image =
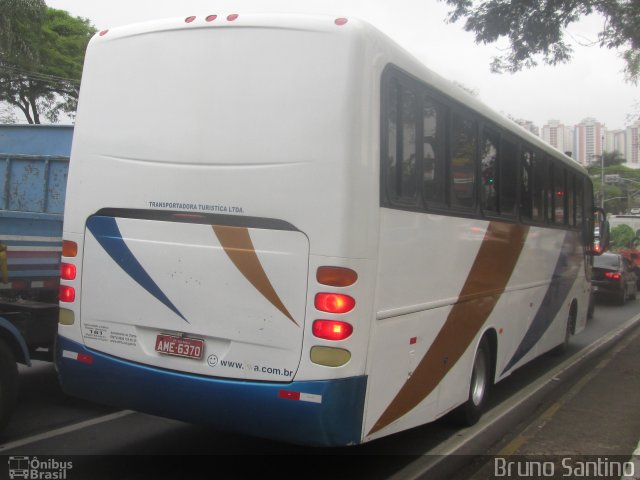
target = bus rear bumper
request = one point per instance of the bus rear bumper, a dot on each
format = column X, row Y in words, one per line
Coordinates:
column 320, row 413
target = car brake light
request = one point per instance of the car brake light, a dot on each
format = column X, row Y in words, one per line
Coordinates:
column 332, row 329
column 613, row 275
column 334, row 302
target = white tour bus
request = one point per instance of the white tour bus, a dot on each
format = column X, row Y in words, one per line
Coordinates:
column 288, row 227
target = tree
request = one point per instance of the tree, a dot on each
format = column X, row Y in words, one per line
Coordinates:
column 622, row 236
column 47, row 81
column 17, row 17
column 536, row 29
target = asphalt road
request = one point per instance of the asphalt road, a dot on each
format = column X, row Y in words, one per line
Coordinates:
column 47, row 423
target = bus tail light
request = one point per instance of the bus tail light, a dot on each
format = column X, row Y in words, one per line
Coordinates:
column 67, row 293
column 334, row 302
column 69, row 248
column 336, row 276
column 67, row 271
column 332, row 329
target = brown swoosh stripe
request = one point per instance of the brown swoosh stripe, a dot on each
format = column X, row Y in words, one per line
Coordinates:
column 485, row 283
column 239, row 248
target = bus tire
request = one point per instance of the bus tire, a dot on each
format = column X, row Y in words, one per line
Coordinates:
column 470, row 412
column 8, row 383
column 568, row 332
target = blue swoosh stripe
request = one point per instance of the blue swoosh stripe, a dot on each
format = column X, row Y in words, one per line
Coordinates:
column 564, row 275
column 106, row 231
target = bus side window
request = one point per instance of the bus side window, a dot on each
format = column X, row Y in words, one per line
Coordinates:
column 560, row 194
column 433, row 123
column 463, row 165
column 571, row 210
column 489, row 170
column 538, row 187
column 579, row 202
column 508, row 183
column 551, row 209
column 526, row 184
column 401, row 165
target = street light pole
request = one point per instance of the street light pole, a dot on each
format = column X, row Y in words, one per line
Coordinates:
column 602, row 181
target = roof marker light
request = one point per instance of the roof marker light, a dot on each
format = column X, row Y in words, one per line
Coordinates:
column 232, row 17
column 211, row 18
column 189, row 19
column 341, row 21
column 104, row 32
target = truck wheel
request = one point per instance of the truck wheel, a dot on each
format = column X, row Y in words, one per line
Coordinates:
column 469, row 412
column 8, row 383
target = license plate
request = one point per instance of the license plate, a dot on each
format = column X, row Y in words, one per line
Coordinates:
column 180, row 346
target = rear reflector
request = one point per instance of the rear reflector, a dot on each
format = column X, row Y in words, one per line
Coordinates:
column 334, row 302
column 300, row 396
column 336, row 276
column 81, row 357
column 332, row 329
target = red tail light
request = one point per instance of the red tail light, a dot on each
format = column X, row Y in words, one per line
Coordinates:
column 67, row 271
column 332, row 329
column 613, row 275
column 334, row 302
column 67, row 293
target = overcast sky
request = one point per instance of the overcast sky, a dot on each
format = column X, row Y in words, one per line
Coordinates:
column 591, row 85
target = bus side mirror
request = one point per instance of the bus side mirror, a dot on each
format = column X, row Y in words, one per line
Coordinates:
column 600, row 232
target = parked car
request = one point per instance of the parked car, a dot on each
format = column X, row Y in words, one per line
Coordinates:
column 613, row 277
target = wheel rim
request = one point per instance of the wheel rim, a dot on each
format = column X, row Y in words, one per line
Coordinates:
column 479, row 380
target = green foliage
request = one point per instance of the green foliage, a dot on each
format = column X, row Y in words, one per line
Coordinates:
column 17, row 19
column 47, row 81
column 537, row 29
column 619, row 197
column 622, row 236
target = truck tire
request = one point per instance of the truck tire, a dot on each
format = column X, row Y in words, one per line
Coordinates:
column 8, row 383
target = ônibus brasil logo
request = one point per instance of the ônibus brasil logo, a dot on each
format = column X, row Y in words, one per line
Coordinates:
column 33, row 468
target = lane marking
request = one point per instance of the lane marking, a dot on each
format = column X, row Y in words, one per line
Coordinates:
column 64, row 430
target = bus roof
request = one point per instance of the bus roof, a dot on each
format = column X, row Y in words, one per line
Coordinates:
column 326, row 23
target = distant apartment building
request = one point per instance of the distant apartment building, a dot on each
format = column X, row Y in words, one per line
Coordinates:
column 615, row 141
column 588, row 141
column 558, row 136
column 632, row 151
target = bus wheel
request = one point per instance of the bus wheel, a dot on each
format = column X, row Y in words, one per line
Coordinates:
column 470, row 412
column 8, row 383
column 568, row 331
